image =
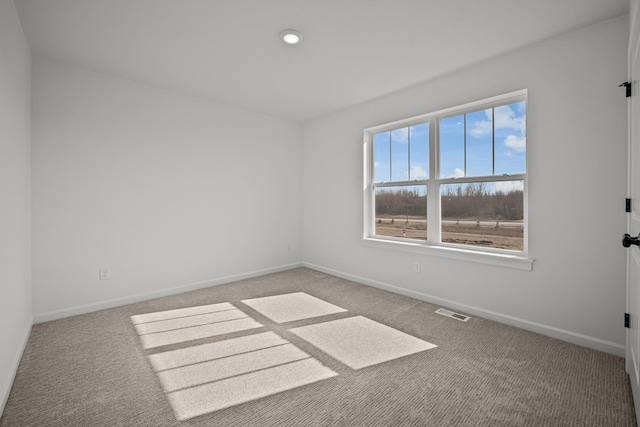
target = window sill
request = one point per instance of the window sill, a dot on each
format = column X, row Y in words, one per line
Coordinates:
column 520, row 262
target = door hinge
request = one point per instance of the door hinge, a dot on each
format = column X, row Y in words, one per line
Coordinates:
column 627, row 205
column 626, row 320
column 627, row 86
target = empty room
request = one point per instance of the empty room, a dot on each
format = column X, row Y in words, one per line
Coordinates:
column 319, row 213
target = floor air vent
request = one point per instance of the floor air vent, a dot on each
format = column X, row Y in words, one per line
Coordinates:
column 453, row 315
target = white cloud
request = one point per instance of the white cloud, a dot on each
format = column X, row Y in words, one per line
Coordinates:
column 418, row 173
column 516, row 143
column 400, row 135
column 481, row 129
column 504, row 118
column 508, row 186
column 457, row 173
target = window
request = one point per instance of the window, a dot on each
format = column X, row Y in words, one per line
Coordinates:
column 455, row 178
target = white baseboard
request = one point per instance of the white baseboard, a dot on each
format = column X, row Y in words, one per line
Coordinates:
column 550, row 331
column 633, row 376
column 88, row 308
column 636, row 400
column 631, row 365
column 6, row 388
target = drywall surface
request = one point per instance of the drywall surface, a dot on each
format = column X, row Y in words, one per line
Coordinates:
column 576, row 140
column 162, row 191
column 15, row 195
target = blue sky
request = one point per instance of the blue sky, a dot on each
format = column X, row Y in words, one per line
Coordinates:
column 509, row 122
column 408, row 158
column 403, row 154
column 409, row 155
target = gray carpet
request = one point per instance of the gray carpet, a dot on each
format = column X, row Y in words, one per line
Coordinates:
column 92, row 370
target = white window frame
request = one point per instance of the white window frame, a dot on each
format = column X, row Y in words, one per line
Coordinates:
column 433, row 245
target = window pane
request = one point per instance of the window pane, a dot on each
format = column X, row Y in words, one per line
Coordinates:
column 400, row 154
column 510, row 138
column 419, row 151
column 381, row 157
column 452, row 147
column 488, row 214
column 480, row 143
column 401, row 211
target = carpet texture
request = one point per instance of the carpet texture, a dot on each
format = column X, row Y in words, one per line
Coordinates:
column 105, row 369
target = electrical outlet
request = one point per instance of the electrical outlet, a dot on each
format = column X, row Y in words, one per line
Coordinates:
column 416, row 267
column 105, row 274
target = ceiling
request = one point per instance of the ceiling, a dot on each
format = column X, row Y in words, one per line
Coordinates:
column 353, row 50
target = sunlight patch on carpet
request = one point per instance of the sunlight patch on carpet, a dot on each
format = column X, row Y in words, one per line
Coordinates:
column 191, row 327
column 219, row 369
column 290, row 307
column 180, row 312
column 197, row 332
column 204, row 378
column 213, row 351
column 359, row 342
column 186, row 322
column 214, row 396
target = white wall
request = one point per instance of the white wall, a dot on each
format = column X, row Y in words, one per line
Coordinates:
column 165, row 190
column 15, row 195
column 577, row 180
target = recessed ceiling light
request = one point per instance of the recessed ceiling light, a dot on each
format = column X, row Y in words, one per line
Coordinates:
column 291, row 36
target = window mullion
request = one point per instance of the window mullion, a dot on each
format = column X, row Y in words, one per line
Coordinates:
column 433, row 191
column 489, row 178
column 465, row 144
column 390, row 159
column 409, row 153
column 368, row 227
column 493, row 141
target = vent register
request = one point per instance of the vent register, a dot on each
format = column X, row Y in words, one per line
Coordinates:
column 452, row 314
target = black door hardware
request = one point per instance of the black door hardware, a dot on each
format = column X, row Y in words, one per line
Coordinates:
column 628, row 240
